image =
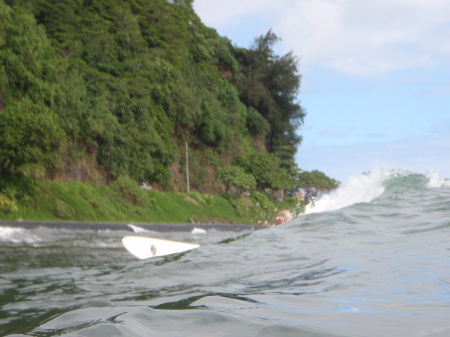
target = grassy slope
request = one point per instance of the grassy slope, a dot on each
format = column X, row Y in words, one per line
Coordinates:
column 78, row 201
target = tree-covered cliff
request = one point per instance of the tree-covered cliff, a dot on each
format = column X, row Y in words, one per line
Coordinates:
column 94, row 89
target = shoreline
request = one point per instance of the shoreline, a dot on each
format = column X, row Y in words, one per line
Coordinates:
column 126, row 226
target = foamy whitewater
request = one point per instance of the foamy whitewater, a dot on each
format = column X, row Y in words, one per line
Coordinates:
column 370, row 259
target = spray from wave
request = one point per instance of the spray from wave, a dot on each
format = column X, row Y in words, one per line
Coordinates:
column 363, row 188
column 367, row 187
column 138, row 229
column 17, row 235
column 435, row 180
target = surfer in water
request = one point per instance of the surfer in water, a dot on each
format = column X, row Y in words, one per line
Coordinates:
column 283, row 217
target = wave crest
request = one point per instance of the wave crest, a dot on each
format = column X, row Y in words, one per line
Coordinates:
column 369, row 186
column 435, row 180
column 363, row 188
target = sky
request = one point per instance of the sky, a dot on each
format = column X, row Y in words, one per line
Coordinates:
column 375, row 77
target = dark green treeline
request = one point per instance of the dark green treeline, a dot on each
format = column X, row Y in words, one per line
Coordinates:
column 94, row 89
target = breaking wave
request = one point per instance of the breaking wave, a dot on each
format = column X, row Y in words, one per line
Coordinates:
column 370, row 186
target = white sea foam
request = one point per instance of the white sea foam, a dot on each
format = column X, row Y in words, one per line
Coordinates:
column 196, row 230
column 364, row 188
column 10, row 233
column 17, row 235
column 137, row 229
column 435, row 180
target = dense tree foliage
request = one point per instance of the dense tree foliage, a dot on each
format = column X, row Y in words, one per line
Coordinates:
column 122, row 86
column 266, row 170
column 29, row 128
column 317, row 180
column 236, row 176
column 28, row 134
column 270, row 85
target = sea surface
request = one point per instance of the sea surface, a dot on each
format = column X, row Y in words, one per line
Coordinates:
column 371, row 259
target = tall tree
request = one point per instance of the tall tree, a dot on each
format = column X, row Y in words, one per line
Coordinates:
column 270, row 85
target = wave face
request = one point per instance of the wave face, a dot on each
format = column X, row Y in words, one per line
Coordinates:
column 368, row 187
column 371, row 259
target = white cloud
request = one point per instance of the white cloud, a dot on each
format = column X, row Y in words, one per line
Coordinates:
column 227, row 14
column 369, row 37
column 350, row 36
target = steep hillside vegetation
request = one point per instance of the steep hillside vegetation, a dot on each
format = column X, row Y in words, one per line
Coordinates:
column 92, row 90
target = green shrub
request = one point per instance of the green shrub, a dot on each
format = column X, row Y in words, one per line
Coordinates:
column 242, row 208
column 207, row 199
column 256, row 123
column 128, row 189
column 266, row 170
column 6, row 204
column 316, row 179
column 62, row 210
column 29, row 134
column 236, row 176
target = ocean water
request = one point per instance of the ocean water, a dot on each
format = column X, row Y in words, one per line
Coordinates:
column 371, row 259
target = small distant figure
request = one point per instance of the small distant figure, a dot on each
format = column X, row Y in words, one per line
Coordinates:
column 144, row 186
column 301, row 197
column 283, row 216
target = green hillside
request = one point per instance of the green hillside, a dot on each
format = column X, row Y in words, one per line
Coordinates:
column 94, row 90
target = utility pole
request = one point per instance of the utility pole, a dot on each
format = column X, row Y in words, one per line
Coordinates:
column 187, row 167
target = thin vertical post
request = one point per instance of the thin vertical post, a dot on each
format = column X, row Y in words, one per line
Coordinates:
column 187, row 167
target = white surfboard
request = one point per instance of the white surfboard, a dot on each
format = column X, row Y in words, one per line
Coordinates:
column 145, row 247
